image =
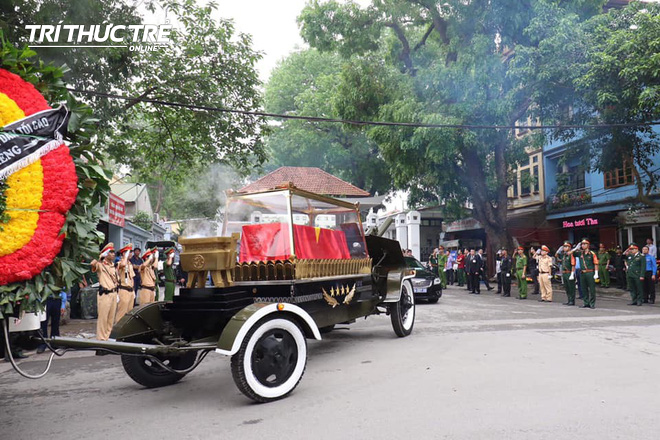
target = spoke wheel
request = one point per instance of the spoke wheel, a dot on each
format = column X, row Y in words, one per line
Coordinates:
column 402, row 312
column 271, row 360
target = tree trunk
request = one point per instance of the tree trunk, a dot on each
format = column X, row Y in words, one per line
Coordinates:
column 160, row 186
column 491, row 216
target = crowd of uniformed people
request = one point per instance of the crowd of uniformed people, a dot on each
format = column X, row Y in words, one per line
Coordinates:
column 577, row 267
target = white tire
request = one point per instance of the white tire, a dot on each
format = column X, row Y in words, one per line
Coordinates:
column 271, row 360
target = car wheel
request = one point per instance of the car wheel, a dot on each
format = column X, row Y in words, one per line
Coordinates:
column 402, row 312
column 271, row 360
column 151, row 375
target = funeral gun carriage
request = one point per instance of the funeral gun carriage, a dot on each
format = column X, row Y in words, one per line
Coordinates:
column 289, row 267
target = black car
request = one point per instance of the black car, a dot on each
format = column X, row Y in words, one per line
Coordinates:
column 426, row 284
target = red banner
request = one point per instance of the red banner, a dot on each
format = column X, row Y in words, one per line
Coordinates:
column 271, row 242
column 116, row 210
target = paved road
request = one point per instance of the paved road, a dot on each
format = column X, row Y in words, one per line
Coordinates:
column 476, row 367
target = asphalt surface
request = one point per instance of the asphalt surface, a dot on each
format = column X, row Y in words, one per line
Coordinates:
column 475, row 367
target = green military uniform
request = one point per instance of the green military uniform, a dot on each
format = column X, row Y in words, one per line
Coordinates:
column 168, row 271
column 568, row 267
column 521, row 264
column 603, row 273
column 636, row 269
column 588, row 265
column 433, row 261
column 442, row 262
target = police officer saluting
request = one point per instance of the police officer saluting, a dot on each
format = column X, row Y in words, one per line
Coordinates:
column 588, row 274
column 148, row 275
column 568, row 273
column 545, row 274
column 636, row 265
column 107, row 296
column 168, row 271
column 126, row 276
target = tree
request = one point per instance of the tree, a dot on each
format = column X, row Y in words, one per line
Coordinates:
column 444, row 63
column 100, row 69
column 143, row 220
column 610, row 73
column 206, row 64
column 304, row 84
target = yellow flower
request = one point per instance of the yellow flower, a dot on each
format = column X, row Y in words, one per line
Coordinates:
column 9, row 111
column 24, row 192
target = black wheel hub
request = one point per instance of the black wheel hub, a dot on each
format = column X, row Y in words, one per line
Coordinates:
column 406, row 303
column 274, row 357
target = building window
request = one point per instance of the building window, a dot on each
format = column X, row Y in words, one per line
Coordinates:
column 575, row 177
column 620, row 176
column 431, row 222
column 535, row 173
column 525, row 187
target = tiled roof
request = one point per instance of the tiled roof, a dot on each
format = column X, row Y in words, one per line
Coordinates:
column 308, row 179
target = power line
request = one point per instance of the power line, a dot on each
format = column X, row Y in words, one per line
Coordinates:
column 355, row 122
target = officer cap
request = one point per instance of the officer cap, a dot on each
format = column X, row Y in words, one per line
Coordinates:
column 568, row 243
column 128, row 247
column 634, row 245
column 520, row 248
column 169, row 250
column 545, row 248
column 147, row 254
column 108, row 247
column 585, row 240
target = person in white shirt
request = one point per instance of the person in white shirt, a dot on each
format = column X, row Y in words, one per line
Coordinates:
column 652, row 249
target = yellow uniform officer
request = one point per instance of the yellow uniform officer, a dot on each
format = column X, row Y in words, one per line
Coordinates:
column 148, row 275
column 107, row 296
column 126, row 275
column 545, row 274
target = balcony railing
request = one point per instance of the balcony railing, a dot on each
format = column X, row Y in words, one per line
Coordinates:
column 569, row 199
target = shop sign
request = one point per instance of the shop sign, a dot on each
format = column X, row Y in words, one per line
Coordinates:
column 639, row 217
column 116, row 210
column 466, row 224
column 578, row 223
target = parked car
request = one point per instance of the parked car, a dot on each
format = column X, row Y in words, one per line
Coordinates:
column 426, row 284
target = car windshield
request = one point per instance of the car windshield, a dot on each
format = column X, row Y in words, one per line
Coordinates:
column 413, row 263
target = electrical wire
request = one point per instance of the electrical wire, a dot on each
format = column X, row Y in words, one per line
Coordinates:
column 354, row 122
column 10, row 356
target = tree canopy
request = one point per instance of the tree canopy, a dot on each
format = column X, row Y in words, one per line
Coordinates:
column 304, row 84
column 450, row 62
column 103, row 69
column 206, row 63
column 609, row 71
